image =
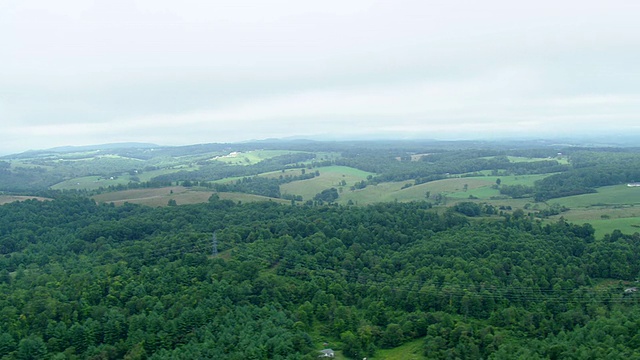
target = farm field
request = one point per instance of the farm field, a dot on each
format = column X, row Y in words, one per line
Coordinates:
column 5, row 199
column 270, row 175
column 383, row 192
column 606, row 196
column 611, row 208
column 605, row 220
column 330, row 176
column 561, row 160
column 182, row 195
column 527, row 180
column 486, row 190
column 148, row 175
column 91, row 183
column 287, row 172
column 251, row 157
column 96, row 182
column 607, row 226
column 241, row 197
column 452, row 188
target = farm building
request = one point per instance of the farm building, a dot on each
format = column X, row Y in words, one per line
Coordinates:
column 634, row 184
column 327, row 353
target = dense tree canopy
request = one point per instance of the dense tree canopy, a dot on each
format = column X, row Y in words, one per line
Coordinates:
column 79, row 280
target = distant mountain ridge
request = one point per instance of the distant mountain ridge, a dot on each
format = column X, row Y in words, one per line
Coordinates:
column 109, row 146
column 603, row 142
column 72, row 149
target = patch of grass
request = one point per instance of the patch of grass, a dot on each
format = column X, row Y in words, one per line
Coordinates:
column 611, row 208
column 118, row 197
column 96, row 182
column 249, row 198
column 5, row 199
column 148, row 175
column 383, row 192
column 527, row 180
column 91, row 183
column 182, row 196
column 606, row 196
column 325, row 155
column 412, row 350
column 517, row 159
column 452, row 188
column 605, row 219
column 252, row 157
column 330, row 176
column 475, row 186
column 625, row 225
column 287, row 172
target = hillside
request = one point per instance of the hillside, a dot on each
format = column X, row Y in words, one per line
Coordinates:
column 545, row 182
column 80, row 280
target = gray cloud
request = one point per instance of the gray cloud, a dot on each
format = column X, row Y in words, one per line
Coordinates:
column 81, row 72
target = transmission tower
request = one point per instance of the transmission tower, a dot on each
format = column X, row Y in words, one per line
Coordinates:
column 214, row 245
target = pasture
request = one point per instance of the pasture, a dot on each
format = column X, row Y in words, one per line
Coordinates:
column 606, row 196
column 604, row 220
column 251, row 157
column 5, row 199
column 383, row 192
column 614, row 207
column 182, row 196
column 481, row 188
column 96, row 182
column 287, row 172
column 515, row 159
column 91, row 183
column 330, row 176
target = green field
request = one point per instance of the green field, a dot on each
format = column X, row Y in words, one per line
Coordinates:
column 5, row 199
column 607, row 226
column 96, row 182
column 611, row 208
column 412, row 350
column 527, row 180
column 91, row 183
column 515, row 159
column 289, row 172
column 241, row 197
column 383, row 192
column 182, row 196
column 148, row 175
column 606, row 196
column 330, row 176
column 252, row 157
column 453, row 188
column 605, row 220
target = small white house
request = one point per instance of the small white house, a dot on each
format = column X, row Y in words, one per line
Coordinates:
column 327, row 353
column 635, row 184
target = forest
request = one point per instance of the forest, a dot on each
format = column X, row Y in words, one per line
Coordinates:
column 85, row 281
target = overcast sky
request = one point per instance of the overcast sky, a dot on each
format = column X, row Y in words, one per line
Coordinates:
column 182, row 72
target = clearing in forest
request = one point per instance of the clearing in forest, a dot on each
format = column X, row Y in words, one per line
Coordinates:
column 182, row 196
column 330, row 176
column 5, row 199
